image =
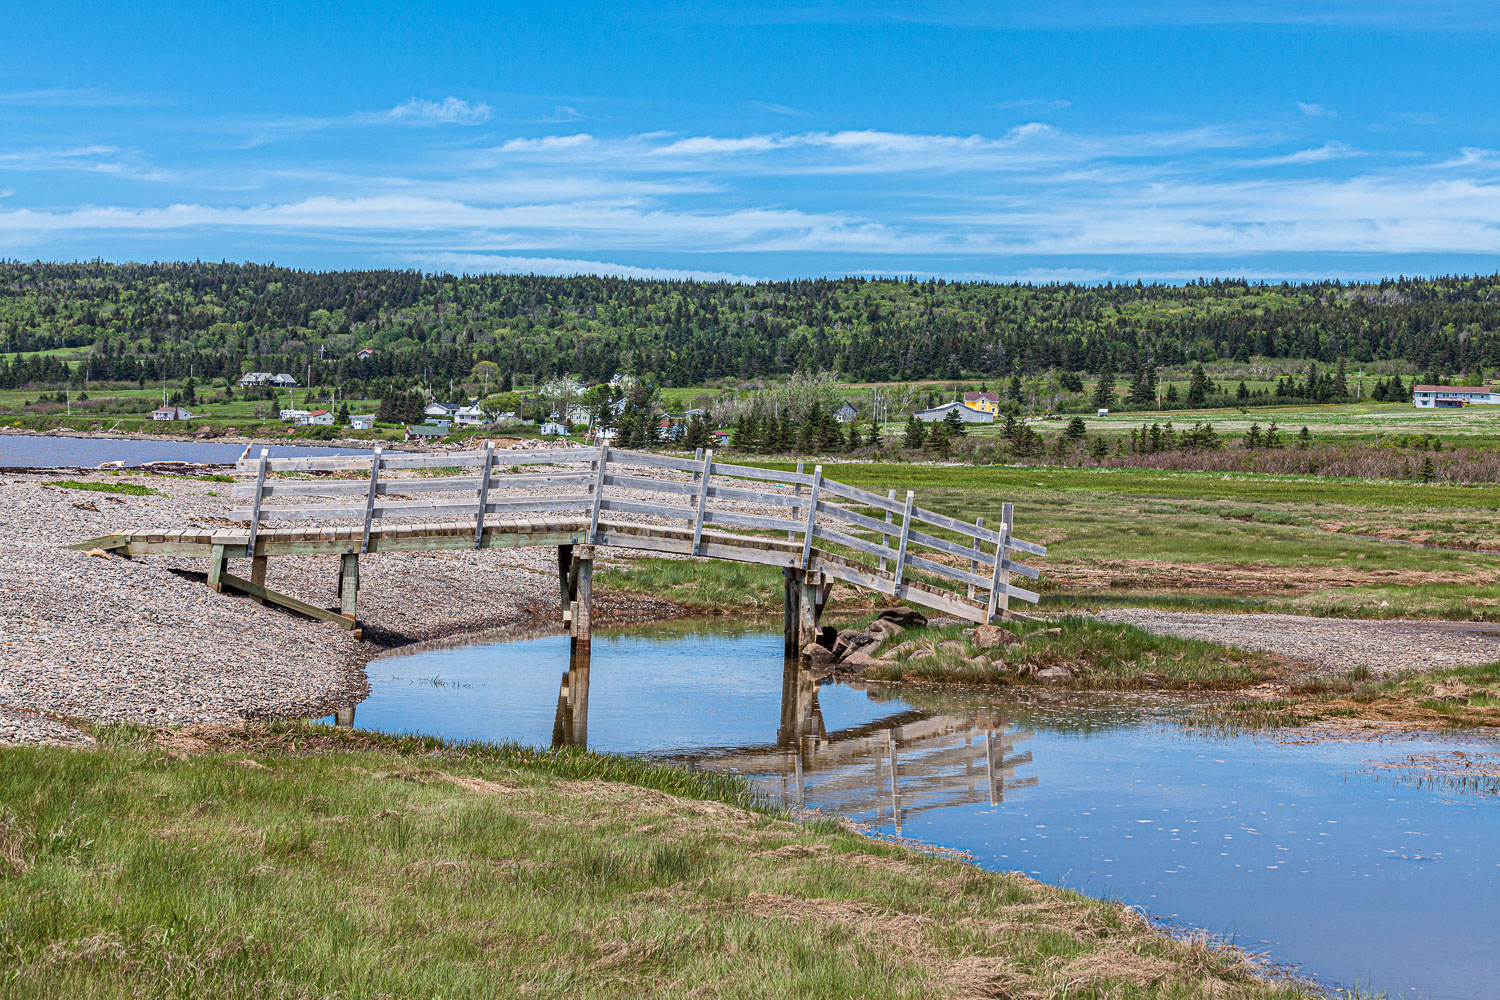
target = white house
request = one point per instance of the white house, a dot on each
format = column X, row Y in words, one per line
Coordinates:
column 580, row 415
column 470, row 416
column 436, row 409
column 255, row 378
column 554, row 426
column 170, row 413
column 1445, row 397
column 316, row 418
column 967, row 414
column 295, row 415
column 362, row 421
column 282, row 381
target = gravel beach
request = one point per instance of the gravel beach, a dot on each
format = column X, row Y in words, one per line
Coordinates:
column 117, row 640
column 1331, row 646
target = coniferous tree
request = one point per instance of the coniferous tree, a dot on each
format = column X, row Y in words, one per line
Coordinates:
column 1198, row 387
column 955, row 425
column 1076, row 429
column 916, row 432
column 854, row 438
column 1104, row 390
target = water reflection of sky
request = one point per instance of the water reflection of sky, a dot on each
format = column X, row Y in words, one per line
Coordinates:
column 1297, row 850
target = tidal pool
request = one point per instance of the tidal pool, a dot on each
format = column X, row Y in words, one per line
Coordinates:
column 1331, row 857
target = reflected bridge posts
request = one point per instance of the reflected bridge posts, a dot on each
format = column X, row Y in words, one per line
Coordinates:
column 570, row 726
column 907, row 762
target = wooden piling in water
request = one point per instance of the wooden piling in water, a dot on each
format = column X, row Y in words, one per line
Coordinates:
column 582, row 579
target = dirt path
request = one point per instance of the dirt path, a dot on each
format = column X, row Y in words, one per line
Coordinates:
column 1331, row 645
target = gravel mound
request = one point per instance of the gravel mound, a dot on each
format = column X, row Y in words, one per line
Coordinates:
column 1331, row 645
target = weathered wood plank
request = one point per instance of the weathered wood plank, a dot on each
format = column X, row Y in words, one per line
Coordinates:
column 244, row 586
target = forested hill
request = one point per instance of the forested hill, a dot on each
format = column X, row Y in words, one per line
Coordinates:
column 152, row 320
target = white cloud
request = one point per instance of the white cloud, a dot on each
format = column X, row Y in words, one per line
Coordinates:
column 448, row 111
column 473, row 263
column 1314, row 110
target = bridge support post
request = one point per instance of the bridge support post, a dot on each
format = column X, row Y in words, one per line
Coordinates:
column 792, row 583
column 348, row 583
column 217, row 564
column 808, row 608
column 581, row 578
column 564, row 569
column 258, row 573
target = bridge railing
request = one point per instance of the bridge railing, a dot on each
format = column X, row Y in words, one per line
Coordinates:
column 898, row 548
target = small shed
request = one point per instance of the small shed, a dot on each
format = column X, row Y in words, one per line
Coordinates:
column 362, row 421
column 845, row 413
column 170, row 413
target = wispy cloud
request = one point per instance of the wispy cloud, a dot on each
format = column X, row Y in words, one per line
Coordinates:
column 448, row 111
column 76, row 97
column 1312, row 110
column 1034, row 104
column 474, row 263
column 1318, row 154
column 777, row 109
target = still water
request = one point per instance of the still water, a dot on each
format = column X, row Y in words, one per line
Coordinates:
column 1328, row 856
column 31, row 450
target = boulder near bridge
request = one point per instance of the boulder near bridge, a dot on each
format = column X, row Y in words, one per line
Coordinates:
column 815, row 529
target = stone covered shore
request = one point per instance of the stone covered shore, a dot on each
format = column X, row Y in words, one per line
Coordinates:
column 114, row 640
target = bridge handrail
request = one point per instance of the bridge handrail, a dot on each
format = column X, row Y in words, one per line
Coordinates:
column 988, row 571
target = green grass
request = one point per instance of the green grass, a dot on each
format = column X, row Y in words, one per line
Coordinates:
column 128, row 489
column 1105, row 657
column 299, row 862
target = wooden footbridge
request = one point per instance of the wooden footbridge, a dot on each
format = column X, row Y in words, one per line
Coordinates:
column 813, row 528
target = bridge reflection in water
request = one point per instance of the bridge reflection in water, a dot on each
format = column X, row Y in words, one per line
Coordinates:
column 905, row 763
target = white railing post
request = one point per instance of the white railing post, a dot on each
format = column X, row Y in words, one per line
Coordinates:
column 255, row 505
column 812, row 515
column 484, row 492
column 598, row 492
column 974, row 563
column 260, row 488
column 796, row 492
column 1000, row 582
column 708, row 462
column 364, row 542
column 885, row 537
column 911, row 499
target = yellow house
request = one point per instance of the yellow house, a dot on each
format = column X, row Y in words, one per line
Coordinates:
column 989, row 402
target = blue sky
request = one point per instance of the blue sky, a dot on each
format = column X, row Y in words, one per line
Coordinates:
column 1085, row 141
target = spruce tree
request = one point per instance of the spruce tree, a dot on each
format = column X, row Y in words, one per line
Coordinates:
column 1198, row 387
column 1104, row 390
column 854, row 438
column 955, row 424
column 916, row 432
column 1076, row 429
